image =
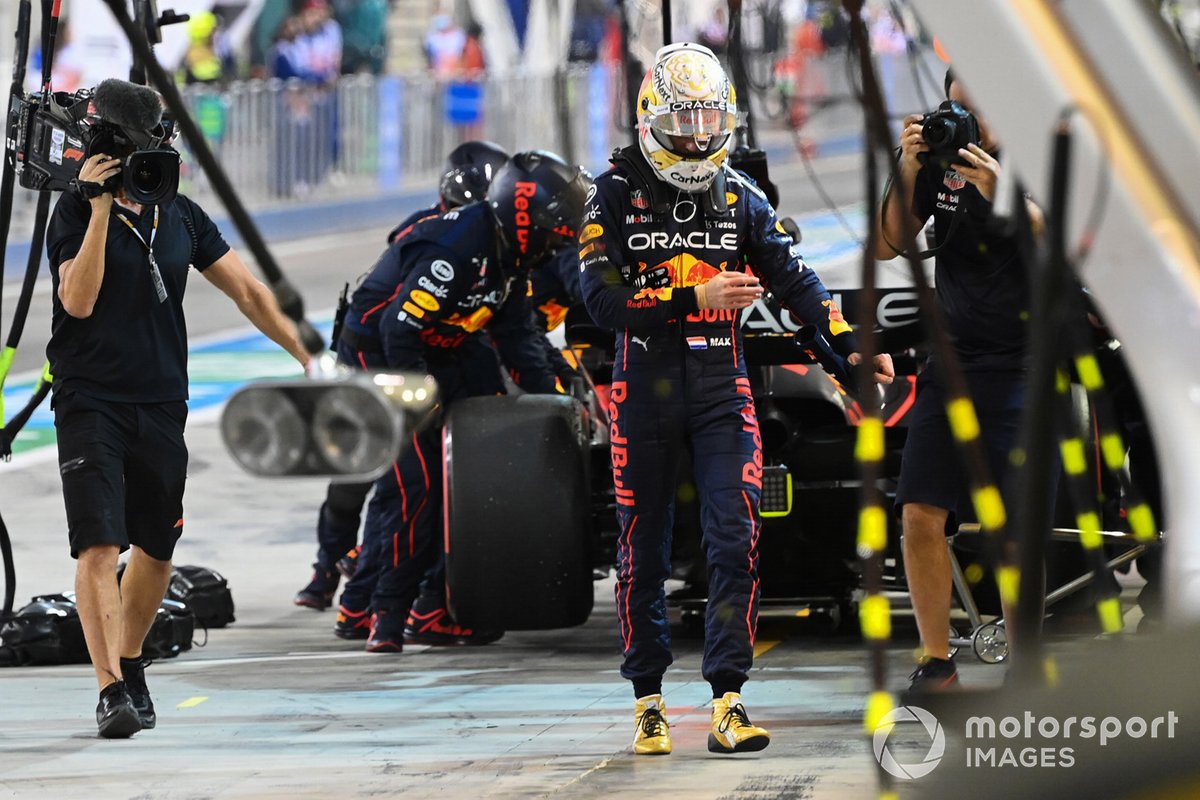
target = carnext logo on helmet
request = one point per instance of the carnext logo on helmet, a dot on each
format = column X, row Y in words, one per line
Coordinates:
column 523, row 191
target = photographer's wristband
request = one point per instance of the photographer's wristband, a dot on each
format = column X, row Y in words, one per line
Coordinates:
column 88, row 190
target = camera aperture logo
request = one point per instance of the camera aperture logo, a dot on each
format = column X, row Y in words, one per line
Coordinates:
column 884, row 755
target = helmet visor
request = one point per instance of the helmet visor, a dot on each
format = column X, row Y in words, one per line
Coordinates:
column 695, row 122
column 693, row 132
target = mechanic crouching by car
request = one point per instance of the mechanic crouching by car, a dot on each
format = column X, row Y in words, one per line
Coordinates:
column 983, row 287
column 446, row 299
column 468, row 171
column 664, row 237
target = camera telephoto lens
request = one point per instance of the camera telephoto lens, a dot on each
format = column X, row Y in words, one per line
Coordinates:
column 151, row 177
column 147, row 177
column 938, row 133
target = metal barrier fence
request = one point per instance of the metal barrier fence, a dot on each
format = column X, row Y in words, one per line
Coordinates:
column 288, row 143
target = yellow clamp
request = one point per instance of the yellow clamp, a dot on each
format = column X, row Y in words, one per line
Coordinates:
column 869, row 447
column 872, row 530
column 989, row 508
column 875, row 617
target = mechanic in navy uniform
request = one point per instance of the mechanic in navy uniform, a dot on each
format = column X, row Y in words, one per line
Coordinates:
column 469, row 169
column 982, row 284
column 118, row 353
column 466, row 176
column 451, row 299
column 664, row 239
column 554, row 290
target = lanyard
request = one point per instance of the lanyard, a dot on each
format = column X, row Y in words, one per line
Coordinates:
column 160, row 288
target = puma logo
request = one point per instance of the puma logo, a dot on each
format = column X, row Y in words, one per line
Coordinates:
column 645, row 343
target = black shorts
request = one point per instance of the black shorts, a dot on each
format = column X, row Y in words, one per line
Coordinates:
column 932, row 471
column 123, row 468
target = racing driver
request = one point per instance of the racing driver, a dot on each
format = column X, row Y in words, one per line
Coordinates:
column 666, row 233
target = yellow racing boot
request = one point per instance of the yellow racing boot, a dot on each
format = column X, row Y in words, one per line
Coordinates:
column 732, row 731
column 652, row 737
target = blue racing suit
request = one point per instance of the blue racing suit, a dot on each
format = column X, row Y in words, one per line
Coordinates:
column 443, row 299
column 406, row 225
column 340, row 515
column 680, row 380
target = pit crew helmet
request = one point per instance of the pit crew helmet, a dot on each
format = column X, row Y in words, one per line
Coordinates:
column 469, row 171
column 687, row 113
column 538, row 199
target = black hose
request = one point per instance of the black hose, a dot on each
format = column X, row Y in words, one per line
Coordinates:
column 631, row 76
column 32, row 266
column 1033, row 516
column 9, row 173
column 10, row 572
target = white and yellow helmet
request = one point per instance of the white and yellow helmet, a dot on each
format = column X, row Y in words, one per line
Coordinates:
column 687, row 113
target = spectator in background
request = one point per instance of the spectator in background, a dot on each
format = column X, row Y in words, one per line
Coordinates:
column 473, row 62
column 588, row 29
column 321, row 42
column 714, row 34
column 444, row 46
column 286, row 59
column 202, row 63
column 364, row 39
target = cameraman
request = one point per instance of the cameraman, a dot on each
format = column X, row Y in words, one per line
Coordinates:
column 982, row 284
column 118, row 353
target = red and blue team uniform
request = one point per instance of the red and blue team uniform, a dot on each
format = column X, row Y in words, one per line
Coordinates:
column 680, row 381
column 444, row 299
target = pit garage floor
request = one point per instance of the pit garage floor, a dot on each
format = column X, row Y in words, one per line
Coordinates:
column 275, row 707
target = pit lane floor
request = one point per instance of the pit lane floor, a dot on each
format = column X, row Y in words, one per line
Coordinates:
column 275, row 706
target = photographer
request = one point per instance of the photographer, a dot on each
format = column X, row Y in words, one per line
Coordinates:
column 118, row 353
column 982, row 285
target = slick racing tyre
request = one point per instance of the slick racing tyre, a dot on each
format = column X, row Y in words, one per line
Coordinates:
column 518, row 513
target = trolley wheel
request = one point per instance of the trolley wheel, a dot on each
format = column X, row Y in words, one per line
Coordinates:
column 990, row 643
column 954, row 635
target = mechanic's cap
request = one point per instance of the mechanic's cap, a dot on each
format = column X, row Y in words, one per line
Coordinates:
column 469, row 171
column 539, row 198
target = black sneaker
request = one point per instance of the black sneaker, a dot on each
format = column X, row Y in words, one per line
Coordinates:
column 348, row 564
column 933, row 675
column 320, row 590
column 133, row 670
column 352, row 624
column 116, row 717
column 387, row 633
column 429, row 622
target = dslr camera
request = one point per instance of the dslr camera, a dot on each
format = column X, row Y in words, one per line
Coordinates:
column 947, row 130
column 51, row 135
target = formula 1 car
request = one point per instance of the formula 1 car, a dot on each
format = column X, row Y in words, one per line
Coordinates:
column 530, row 503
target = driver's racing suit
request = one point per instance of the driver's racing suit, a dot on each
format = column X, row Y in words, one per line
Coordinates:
column 679, row 379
